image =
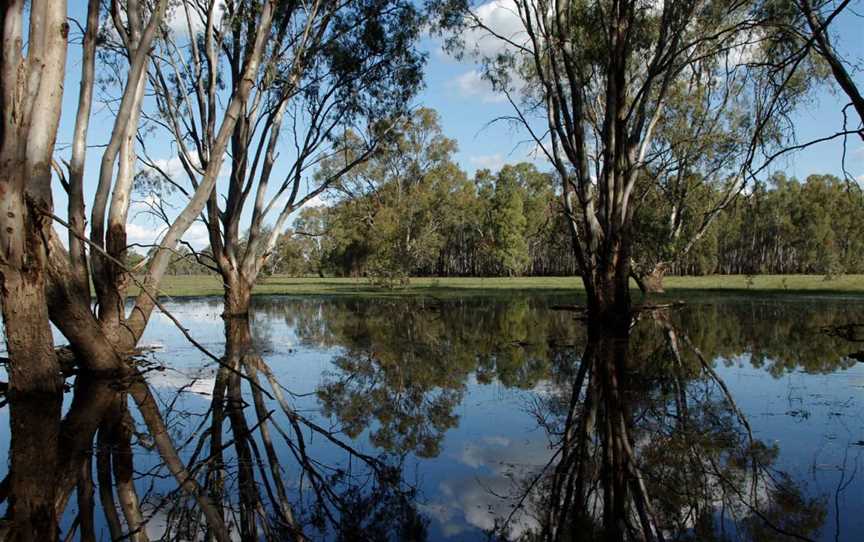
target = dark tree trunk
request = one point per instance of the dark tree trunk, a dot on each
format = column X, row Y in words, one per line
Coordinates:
column 34, row 421
column 597, row 451
column 238, row 345
column 608, row 287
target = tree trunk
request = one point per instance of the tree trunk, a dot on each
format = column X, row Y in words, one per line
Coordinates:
column 608, row 287
column 33, row 365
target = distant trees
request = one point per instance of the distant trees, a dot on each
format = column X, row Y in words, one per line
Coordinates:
column 410, row 209
column 790, row 227
column 509, row 223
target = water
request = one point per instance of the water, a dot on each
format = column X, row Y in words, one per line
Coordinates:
column 450, row 419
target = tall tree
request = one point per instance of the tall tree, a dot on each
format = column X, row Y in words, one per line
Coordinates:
column 601, row 74
column 334, row 76
column 508, row 223
column 397, row 202
column 32, row 67
column 102, row 336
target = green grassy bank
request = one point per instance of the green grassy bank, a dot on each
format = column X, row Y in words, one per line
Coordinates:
column 186, row 286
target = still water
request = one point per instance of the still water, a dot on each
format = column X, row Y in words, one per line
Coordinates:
column 465, row 419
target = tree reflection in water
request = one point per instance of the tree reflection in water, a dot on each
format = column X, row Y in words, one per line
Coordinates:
column 646, row 441
column 648, row 444
column 216, row 494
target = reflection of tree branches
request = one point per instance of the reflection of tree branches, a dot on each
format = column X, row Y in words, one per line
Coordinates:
column 638, row 456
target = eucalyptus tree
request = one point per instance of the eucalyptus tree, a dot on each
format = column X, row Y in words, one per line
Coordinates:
column 102, row 336
column 391, row 212
column 335, row 77
column 32, row 67
column 336, row 74
column 592, row 83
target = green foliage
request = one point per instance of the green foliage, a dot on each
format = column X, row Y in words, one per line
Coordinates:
column 793, row 227
column 508, row 224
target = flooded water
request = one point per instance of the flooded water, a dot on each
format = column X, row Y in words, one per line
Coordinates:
column 475, row 418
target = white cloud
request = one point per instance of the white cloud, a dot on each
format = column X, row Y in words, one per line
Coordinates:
column 493, row 162
column 142, row 235
column 196, row 235
column 172, row 167
column 472, row 85
column 177, row 22
column 501, row 18
column 317, row 201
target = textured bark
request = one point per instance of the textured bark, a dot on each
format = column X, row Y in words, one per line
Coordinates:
column 31, row 89
column 608, row 287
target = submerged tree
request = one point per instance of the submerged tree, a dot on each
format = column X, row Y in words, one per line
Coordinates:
column 102, row 335
column 335, row 77
column 32, row 67
column 600, row 77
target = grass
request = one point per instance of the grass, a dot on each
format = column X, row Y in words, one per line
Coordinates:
column 190, row 286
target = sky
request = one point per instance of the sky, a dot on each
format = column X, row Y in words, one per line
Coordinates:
column 467, row 106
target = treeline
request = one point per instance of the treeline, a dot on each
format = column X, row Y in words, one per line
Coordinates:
column 510, row 223
column 786, row 226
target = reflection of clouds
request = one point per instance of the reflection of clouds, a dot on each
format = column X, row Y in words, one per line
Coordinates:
column 478, row 500
column 201, row 381
column 156, row 526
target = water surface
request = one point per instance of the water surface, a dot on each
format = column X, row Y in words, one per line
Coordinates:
column 457, row 419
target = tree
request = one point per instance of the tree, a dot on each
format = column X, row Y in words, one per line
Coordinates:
column 397, row 202
column 335, row 75
column 102, row 335
column 508, row 224
column 601, row 75
column 31, row 85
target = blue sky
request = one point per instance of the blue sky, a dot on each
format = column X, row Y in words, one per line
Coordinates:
column 466, row 105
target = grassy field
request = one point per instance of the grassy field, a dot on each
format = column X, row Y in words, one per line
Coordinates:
column 186, row 286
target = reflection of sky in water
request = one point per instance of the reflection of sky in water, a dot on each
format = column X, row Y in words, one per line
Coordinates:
column 817, row 420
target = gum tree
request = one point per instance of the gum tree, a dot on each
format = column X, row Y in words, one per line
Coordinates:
column 335, row 77
column 591, row 82
column 32, row 67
